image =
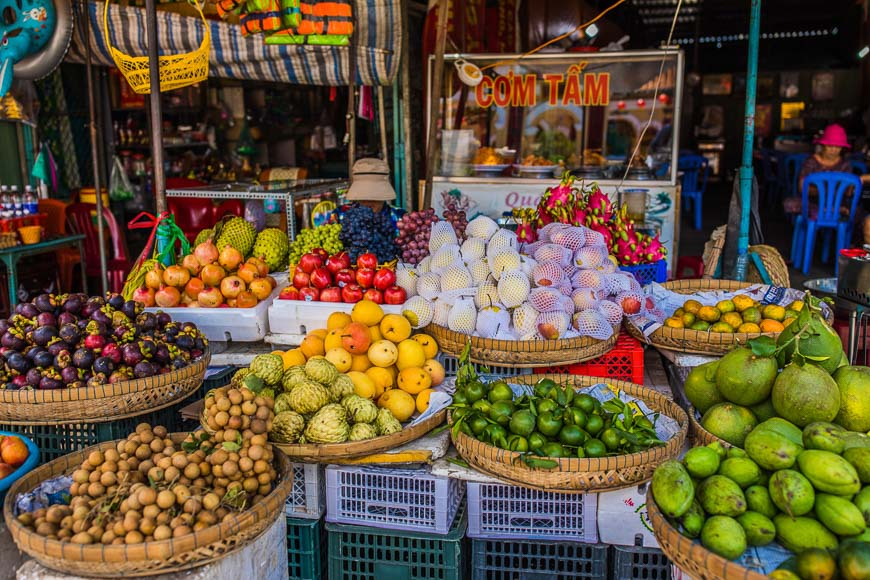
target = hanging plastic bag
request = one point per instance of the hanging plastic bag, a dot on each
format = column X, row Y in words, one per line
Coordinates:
column 160, row 249
column 120, row 188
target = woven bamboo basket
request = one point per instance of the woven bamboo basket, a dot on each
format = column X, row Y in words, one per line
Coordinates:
column 689, row 341
column 579, row 475
column 326, row 452
column 104, row 403
column 149, row 558
column 522, row 353
column 691, row 557
column 699, row 435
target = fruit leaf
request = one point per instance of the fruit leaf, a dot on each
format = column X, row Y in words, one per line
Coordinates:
column 457, row 461
column 764, row 346
column 231, row 446
column 538, row 463
column 816, row 358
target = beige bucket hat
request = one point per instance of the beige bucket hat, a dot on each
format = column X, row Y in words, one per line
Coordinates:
column 370, row 181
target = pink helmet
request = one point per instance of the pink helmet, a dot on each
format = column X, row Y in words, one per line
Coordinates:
column 833, row 135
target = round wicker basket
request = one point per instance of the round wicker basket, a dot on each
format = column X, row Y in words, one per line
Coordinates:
column 699, row 435
column 101, row 404
column 690, row 556
column 579, row 475
column 149, row 558
column 522, row 353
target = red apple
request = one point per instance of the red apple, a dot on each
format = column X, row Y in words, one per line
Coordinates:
column 308, row 262
column 630, row 305
column 337, row 262
column 395, row 295
column 367, row 260
column 309, row 294
column 365, row 277
column 289, row 293
column 345, row 276
column 322, row 253
column 352, row 293
column 320, row 278
column 374, row 295
column 330, row 294
column 384, row 278
column 301, row 279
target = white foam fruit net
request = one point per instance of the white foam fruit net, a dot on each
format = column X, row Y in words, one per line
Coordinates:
column 479, row 270
column 553, row 253
column 419, row 311
column 442, row 312
column 619, row 282
column 585, row 298
column 463, row 316
column 513, row 288
column 566, row 304
column 527, row 265
column 546, row 233
column 481, row 227
column 608, row 267
column 593, row 324
column 446, row 256
column 545, row 299
column 505, row 260
column 406, row 278
column 592, row 279
column 487, row 294
column 530, row 249
column 611, row 311
column 566, row 288
column 425, row 265
column 590, row 257
column 429, row 286
column 553, row 325
column 594, row 238
column 492, row 320
column 547, row 274
column 502, row 239
column 472, row 249
column 572, row 238
column 442, row 234
column 455, row 277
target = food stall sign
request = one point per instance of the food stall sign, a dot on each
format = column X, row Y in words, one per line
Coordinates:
column 575, row 86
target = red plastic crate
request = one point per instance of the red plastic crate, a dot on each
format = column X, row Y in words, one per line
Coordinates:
column 624, row 362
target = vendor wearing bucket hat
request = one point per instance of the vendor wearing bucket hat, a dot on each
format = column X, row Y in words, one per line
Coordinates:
column 370, row 186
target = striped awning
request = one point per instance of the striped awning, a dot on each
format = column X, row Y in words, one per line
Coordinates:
column 377, row 40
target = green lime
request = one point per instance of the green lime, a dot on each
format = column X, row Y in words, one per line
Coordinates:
column 548, row 424
column 585, row 402
column 522, row 423
column 501, row 412
column 500, row 391
column 700, row 325
column 460, row 413
column 594, row 424
column 537, row 441
column 475, row 391
column 518, row 443
column 543, row 387
column 459, row 397
column 553, row 449
column 547, row 406
column 494, row 433
column 478, row 424
column 482, row 405
column 572, row 435
column 595, row 448
column 577, row 417
column 610, row 438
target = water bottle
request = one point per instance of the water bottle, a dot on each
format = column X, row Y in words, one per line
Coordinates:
column 17, row 202
column 5, row 202
column 31, row 203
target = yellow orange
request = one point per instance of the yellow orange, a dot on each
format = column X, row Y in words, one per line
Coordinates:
column 742, row 302
column 363, row 385
column 375, row 331
column 338, row 320
column 383, row 353
column 360, row 363
column 768, row 325
column 423, row 399
column 400, row 404
column 293, row 357
column 411, row 354
column 312, row 345
column 340, row 358
column 414, row 380
column 430, row 347
column 382, row 378
column 748, row 327
column 367, row 312
column 319, row 332
column 333, row 339
column 395, row 328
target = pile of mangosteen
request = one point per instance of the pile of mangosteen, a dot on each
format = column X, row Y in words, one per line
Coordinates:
column 72, row 340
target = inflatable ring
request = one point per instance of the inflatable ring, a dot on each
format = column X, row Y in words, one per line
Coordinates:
column 40, row 64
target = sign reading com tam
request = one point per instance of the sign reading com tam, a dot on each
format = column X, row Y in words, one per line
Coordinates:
column 575, row 87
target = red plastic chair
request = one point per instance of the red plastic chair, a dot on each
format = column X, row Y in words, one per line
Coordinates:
column 230, row 206
column 80, row 221
column 55, row 225
column 191, row 214
column 689, row 268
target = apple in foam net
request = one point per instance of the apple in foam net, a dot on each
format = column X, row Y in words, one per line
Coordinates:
column 395, row 295
column 330, row 294
column 374, row 295
column 384, row 278
column 320, row 278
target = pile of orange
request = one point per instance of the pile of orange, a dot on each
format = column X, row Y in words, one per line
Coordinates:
column 739, row 314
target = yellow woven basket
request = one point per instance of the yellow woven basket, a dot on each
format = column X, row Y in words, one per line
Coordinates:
column 176, row 71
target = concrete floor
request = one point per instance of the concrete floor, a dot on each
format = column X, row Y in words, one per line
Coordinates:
column 10, row 557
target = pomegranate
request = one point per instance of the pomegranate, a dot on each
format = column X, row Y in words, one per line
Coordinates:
column 246, row 300
column 260, row 264
column 144, row 295
column 260, row 288
column 212, row 275
column 176, row 276
column 167, row 297
column 192, row 264
column 206, row 253
column 154, row 278
column 210, row 298
column 193, row 287
column 232, row 286
column 248, row 272
column 230, row 258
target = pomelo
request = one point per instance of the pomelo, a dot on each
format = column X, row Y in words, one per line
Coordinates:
column 854, row 385
column 805, row 394
column 744, row 378
column 729, row 422
column 700, row 387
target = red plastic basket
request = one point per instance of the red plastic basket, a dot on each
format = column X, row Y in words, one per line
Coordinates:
column 624, row 362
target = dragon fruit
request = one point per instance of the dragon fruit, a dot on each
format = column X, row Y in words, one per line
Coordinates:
column 626, row 252
column 598, row 206
column 526, row 233
column 652, row 249
column 557, row 201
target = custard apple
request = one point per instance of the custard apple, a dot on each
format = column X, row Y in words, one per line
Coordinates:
column 362, row 431
column 286, row 427
column 238, row 233
column 269, row 367
column 359, row 410
column 308, row 397
column 282, row 403
column 272, row 245
column 292, row 377
column 328, row 425
column 267, row 393
column 202, row 236
column 341, row 387
column 386, row 423
column 321, row 370
column 239, row 376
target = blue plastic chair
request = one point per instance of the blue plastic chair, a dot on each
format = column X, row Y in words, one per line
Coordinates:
column 832, row 188
column 858, row 166
column 695, row 169
column 772, row 188
column 793, row 164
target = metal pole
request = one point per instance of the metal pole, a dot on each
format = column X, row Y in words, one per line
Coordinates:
column 745, row 172
column 398, row 147
column 434, row 106
column 159, row 183
column 409, row 190
column 382, row 125
column 95, row 149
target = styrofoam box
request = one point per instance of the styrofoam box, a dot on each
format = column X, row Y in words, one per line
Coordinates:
column 397, row 499
column 308, row 497
column 301, row 317
column 623, row 519
column 497, row 511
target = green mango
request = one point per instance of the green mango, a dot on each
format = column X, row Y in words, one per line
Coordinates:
column 741, row 470
column 672, row 488
column 724, row 536
column 759, row 529
column 720, row 449
column 862, row 502
column 859, row 457
column 829, row 473
column 856, row 440
column 701, row 462
column 693, row 521
column 788, row 430
column 853, row 561
column 774, row 444
column 736, row 452
column 719, row 495
column 791, row 492
column 824, row 436
column 802, row 533
column 758, row 500
column 839, row 515
column 783, row 574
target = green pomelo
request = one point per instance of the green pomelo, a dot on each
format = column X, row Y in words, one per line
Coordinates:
column 816, row 341
column 763, row 410
column 700, row 387
column 854, row 386
column 804, row 395
column 744, row 378
column 729, row 422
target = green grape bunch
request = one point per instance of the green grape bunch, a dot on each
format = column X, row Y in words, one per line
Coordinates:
column 325, row 236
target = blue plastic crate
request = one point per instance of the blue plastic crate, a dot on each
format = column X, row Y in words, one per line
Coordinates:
column 219, row 377
column 637, row 563
column 306, row 549
column 538, row 560
column 648, row 273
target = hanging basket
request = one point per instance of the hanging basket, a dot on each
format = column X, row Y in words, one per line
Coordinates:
column 176, row 70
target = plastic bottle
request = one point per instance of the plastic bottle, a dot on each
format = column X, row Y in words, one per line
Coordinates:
column 5, row 202
column 31, row 203
column 17, row 202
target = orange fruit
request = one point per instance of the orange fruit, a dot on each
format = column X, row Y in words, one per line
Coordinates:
column 769, row 325
column 312, row 345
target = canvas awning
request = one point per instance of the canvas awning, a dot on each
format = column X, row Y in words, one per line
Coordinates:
column 377, row 39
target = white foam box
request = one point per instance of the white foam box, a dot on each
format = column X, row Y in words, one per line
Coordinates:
column 623, row 518
column 299, row 317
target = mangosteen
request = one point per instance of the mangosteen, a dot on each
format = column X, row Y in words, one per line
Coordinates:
column 66, row 318
column 33, row 377
column 185, row 341
column 44, row 302
column 69, row 375
column 163, row 319
column 116, row 301
column 144, row 369
column 57, row 346
column 20, row 381
column 132, row 309
column 62, row 360
column 76, row 384
column 44, row 359
column 18, row 362
column 94, row 341
column 43, row 335
column 97, row 380
column 28, row 310
column 4, row 325
column 73, row 303
column 12, row 341
column 112, row 351
column 46, row 319
column 48, row 383
column 104, row 365
column 33, row 351
column 201, row 343
column 132, row 354
column 146, row 321
column 69, row 333
column 83, row 358
column 148, row 347
column 179, row 363
column 101, row 316
column 195, row 354
column 122, row 374
column 161, row 354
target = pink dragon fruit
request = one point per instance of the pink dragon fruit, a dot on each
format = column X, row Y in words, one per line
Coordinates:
column 599, row 206
column 604, row 230
column 652, row 249
column 557, row 202
column 527, row 233
column 627, row 253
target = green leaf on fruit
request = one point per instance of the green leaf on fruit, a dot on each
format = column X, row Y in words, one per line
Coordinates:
column 231, row 446
column 538, row 463
column 816, row 358
column 762, row 346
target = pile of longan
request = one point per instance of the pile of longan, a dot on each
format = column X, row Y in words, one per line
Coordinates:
column 239, row 410
column 146, row 489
